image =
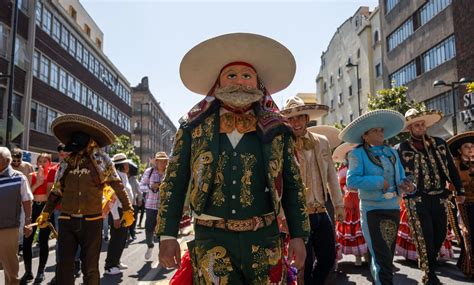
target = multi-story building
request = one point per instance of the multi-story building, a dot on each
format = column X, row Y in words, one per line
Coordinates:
column 425, row 41
column 351, row 67
column 60, row 68
column 153, row 130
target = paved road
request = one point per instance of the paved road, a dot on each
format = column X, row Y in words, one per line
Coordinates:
column 144, row 272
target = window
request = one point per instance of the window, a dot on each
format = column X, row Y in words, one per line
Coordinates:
column 72, row 45
column 73, row 12
column 378, row 70
column 64, row 38
column 71, row 86
column 340, row 99
column 351, row 117
column 16, row 105
column 20, row 53
column 23, row 5
column 389, row 4
column 443, row 102
column 54, row 76
column 400, row 34
column 3, row 40
column 350, row 90
column 331, row 81
column 358, row 53
column 36, row 57
column 44, row 69
column 87, row 29
column 47, row 17
column 98, row 42
column 62, row 81
column 431, row 9
column 439, row 54
column 339, row 73
column 100, row 108
column 85, row 58
column 39, row 14
column 51, row 116
column 341, row 120
column 42, row 119
column 376, row 37
column 56, row 30
column 84, row 95
column 34, row 113
column 79, row 49
column 404, row 74
column 332, row 104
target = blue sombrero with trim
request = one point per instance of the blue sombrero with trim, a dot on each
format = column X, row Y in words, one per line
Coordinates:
column 391, row 121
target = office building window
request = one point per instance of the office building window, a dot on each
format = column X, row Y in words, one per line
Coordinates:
column 56, row 30
column 54, row 76
column 340, row 99
column 64, row 38
column 439, row 54
column 85, row 59
column 350, row 90
column 376, row 37
column 400, row 34
column 79, row 49
column 33, row 115
column 389, row 4
column 42, row 119
column 378, row 70
column 46, row 24
column 36, row 57
column 20, row 53
column 71, row 87
column 84, row 95
column 51, row 116
column 39, row 12
column 404, row 74
column 72, row 45
column 62, row 81
column 44, row 69
column 431, row 9
column 351, row 117
column 3, row 40
column 23, row 5
column 332, row 104
column 443, row 102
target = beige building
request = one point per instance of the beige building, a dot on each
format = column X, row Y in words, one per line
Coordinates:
column 351, row 67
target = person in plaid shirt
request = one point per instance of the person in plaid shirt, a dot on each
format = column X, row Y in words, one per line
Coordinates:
column 149, row 186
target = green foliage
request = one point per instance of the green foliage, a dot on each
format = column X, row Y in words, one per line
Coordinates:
column 123, row 144
column 339, row 126
column 394, row 99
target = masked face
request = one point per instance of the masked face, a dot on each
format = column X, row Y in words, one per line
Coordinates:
column 238, row 86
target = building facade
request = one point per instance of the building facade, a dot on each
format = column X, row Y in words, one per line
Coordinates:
column 60, row 68
column 425, row 41
column 153, row 130
column 351, row 67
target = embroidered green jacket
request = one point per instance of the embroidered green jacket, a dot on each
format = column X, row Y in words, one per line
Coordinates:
column 200, row 162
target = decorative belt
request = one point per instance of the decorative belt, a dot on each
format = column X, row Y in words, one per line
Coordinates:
column 433, row 193
column 80, row 216
column 247, row 225
column 316, row 209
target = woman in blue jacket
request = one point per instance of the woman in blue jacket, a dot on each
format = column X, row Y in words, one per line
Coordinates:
column 376, row 171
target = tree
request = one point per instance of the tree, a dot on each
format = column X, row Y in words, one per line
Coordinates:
column 394, row 99
column 123, row 144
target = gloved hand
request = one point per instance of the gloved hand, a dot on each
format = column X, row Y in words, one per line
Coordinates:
column 42, row 220
column 340, row 214
column 127, row 218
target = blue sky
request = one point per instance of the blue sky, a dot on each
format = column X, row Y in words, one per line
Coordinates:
column 149, row 38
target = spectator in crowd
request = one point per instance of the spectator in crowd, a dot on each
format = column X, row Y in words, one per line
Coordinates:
column 138, row 197
column 19, row 164
column 14, row 193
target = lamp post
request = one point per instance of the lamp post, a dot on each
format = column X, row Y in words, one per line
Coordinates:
column 453, row 85
column 349, row 65
column 141, row 128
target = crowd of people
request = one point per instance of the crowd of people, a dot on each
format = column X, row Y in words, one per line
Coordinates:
column 267, row 203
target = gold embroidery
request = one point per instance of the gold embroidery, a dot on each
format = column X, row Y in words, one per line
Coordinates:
column 262, row 260
column 388, row 229
column 214, row 265
column 417, row 233
column 218, row 197
column 248, row 162
column 197, row 132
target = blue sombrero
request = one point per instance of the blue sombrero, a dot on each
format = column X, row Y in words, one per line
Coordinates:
column 391, row 121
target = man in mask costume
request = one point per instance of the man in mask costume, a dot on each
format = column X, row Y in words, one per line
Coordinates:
column 235, row 154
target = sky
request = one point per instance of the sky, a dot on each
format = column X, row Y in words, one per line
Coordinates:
column 149, row 38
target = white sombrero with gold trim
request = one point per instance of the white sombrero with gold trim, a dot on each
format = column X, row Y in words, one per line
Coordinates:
column 430, row 117
column 330, row 132
column 274, row 63
column 339, row 154
column 295, row 106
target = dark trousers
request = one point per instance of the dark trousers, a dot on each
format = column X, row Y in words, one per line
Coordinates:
column 150, row 224
column 118, row 240
column 132, row 227
column 42, row 238
column 75, row 232
column 432, row 214
column 320, row 249
column 141, row 211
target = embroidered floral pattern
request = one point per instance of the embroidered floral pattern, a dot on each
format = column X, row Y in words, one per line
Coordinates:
column 264, row 259
column 218, row 197
column 248, row 162
column 214, row 265
column 388, row 229
column 415, row 227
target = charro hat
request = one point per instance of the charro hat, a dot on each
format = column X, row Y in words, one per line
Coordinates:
column 308, row 98
column 65, row 126
column 430, row 117
column 341, row 151
column 120, row 158
column 295, row 106
column 273, row 62
column 391, row 121
column 457, row 141
column 330, row 132
column 161, row 155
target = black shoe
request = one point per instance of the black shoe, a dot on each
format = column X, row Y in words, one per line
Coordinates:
column 26, row 278
column 39, row 278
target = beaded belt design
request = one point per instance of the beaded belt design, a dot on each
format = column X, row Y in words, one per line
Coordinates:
column 251, row 224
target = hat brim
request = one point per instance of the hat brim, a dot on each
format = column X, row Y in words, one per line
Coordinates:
column 391, row 121
column 430, row 119
column 65, row 125
column 314, row 111
column 274, row 63
column 457, row 141
column 339, row 154
column 128, row 161
column 330, row 132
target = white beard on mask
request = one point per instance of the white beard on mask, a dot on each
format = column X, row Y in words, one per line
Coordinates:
column 238, row 96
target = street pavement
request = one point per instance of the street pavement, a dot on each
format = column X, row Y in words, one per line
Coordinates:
column 148, row 272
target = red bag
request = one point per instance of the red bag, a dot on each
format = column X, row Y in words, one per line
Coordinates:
column 184, row 275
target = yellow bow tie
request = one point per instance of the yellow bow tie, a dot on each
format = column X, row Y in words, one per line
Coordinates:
column 303, row 143
column 244, row 123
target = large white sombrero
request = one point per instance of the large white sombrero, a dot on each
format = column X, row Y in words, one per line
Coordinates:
column 308, row 98
column 330, row 132
column 295, row 106
column 430, row 117
column 274, row 63
column 391, row 121
column 64, row 126
column 339, row 154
